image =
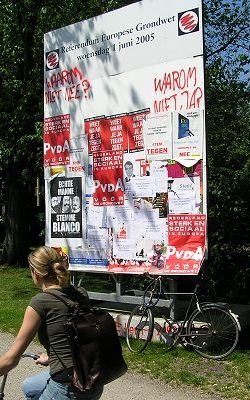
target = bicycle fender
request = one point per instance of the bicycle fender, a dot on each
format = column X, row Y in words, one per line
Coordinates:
column 225, row 306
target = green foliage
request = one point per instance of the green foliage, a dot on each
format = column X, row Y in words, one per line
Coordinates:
column 21, row 105
column 227, row 32
column 227, row 93
column 227, row 124
column 95, row 282
column 228, row 141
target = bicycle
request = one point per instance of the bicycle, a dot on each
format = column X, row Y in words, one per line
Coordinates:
column 29, row 355
column 211, row 329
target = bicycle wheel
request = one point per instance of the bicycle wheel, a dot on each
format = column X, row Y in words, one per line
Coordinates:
column 139, row 329
column 213, row 331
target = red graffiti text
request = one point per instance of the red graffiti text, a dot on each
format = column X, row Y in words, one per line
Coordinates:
column 181, row 90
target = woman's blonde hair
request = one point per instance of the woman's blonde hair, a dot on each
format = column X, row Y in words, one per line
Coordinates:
column 50, row 264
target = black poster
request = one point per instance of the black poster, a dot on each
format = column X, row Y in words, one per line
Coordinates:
column 66, row 207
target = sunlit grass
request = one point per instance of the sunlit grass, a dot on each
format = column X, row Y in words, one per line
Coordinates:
column 179, row 367
column 16, row 289
column 229, row 378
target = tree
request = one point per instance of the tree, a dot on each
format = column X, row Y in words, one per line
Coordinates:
column 228, row 118
column 21, row 105
column 20, row 109
column 21, row 116
column 227, row 32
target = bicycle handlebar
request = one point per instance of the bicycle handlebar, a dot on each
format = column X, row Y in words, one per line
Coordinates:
column 153, row 277
column 30, row 355
column 172, row 278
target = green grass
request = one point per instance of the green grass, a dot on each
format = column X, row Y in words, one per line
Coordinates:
column 16, row 289
column 229, row 378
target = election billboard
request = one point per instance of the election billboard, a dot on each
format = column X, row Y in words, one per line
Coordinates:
column 124, row 140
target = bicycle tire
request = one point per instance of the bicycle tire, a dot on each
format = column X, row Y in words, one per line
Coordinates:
column 213, row 331
column 139, row 329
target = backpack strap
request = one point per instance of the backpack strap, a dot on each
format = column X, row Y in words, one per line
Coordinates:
column 69, row 303
column 73, row 306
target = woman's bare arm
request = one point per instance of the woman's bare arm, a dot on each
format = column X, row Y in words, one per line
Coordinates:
column 29, row 328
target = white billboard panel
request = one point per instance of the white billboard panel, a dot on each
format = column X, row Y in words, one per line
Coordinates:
column 124, row 139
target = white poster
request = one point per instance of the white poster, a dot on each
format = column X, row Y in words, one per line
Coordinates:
column 188, row 134
column 158, row 136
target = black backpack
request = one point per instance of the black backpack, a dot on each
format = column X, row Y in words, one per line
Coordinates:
column 95, row 345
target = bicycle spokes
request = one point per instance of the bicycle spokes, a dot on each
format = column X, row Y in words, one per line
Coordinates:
column 213, row 332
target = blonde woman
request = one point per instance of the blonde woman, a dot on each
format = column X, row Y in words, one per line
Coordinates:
column 46, row 315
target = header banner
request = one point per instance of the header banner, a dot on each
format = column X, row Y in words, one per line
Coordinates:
column 145, row 33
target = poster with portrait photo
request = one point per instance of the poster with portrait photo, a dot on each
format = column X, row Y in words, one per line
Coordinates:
column 66, row 207
column 132, row 166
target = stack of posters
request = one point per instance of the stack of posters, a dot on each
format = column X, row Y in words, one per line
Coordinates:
column 124, row 140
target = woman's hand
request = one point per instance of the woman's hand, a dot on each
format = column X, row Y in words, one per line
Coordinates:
column 5, row 364
column 43, row 359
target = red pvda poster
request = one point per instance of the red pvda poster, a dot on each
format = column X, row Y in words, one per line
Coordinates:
column 108, row 178
column 56, row 140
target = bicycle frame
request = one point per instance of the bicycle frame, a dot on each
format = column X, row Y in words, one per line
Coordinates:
column 3, row 386
column 163, row 291
column 193, row 298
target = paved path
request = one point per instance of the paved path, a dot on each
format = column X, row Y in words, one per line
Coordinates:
column 130, row 387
